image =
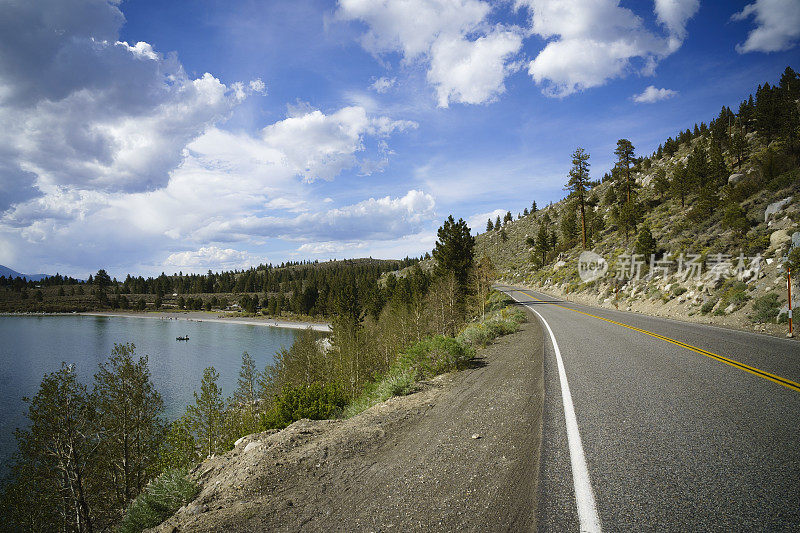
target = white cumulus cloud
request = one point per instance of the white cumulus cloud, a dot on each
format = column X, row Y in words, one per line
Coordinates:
column 81, row 109
column 320, row 146
column 590, row 43
column 472, row 72
column 211, row 257
column 383, row 84
column 652, row 95
column 777, row 25
column 467, row 58
column 372, row 219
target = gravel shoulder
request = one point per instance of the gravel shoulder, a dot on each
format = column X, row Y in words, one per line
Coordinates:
column 460, row 454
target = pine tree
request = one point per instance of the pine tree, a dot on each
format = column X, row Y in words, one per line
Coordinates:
column 497, row 223
column 578, row 179
column 661, row 184
column 542, row 243
column 569, row 226
column 205, row 417
column 680, row 184
column 128, row 408
column 735, row 219
column 454, row 251
column 57, row 450
column 739, row 146
column 489, row 225
column 246, row 394
column 625, row 157
column 533, row 207
column 645, row 243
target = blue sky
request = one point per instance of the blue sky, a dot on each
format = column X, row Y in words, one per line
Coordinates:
column 150, row 136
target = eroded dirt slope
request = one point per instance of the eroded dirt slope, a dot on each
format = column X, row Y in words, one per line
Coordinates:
column 462, row 454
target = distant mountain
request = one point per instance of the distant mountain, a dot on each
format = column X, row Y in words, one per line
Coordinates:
column 7, row 272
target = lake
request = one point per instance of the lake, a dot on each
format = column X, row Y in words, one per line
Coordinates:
column 32, row 346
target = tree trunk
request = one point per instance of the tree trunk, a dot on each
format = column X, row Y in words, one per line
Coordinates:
column 583, row 223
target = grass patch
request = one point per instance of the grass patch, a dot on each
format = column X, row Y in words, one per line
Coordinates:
column 766, row 308
column 159, row 500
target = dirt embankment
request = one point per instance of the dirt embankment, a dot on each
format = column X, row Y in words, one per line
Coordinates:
column 462, row 453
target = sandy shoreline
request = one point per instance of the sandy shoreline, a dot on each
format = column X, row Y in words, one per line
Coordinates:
column 198, row 316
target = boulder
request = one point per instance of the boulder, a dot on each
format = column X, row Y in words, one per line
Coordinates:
column 730, row 309
column 559, row 264
column 775, row 207
column 735, row 178
column 251, row 446
column 779, row 238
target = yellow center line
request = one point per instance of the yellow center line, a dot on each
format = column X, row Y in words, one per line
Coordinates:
column 736, row 364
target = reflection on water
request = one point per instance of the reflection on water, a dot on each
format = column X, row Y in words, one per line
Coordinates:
column 33, row 346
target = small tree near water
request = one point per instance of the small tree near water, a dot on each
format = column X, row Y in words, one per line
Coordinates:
column 205, row 417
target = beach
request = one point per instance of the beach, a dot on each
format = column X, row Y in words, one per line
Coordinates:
column 200, row 316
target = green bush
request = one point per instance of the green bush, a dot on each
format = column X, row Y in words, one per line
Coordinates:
column 159, row 500
column 177, row 449
column 496, row 301
column 678, row 290
column 708, row 306
column 766, row 308
column 734, row 292
column 317, row 402
column 436, row 355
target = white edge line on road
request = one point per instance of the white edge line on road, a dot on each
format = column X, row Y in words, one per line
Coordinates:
column 584, row 495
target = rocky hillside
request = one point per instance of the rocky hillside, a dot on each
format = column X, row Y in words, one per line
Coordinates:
column 750, row 212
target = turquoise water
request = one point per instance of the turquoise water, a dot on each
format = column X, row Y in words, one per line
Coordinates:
column 33, row 346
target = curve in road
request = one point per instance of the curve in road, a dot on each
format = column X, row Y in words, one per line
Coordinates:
column 672, row 441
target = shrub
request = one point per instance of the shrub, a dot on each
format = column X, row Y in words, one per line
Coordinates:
column 708, row 306
column 734, row 292
column 678, row 290
column 177, row 449
column 159, row 500
column 766, row 308
column 317, row 402
column 496, row 301
column 398, row 381
column 436, row 355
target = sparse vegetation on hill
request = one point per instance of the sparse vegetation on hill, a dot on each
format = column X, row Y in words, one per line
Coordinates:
column 728, row 187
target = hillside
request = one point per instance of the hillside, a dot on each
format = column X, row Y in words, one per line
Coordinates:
column 739, row 181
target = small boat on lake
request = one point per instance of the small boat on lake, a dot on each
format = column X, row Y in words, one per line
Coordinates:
column 186, row 338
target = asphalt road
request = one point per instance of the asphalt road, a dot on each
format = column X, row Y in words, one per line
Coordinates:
column 672, row 439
